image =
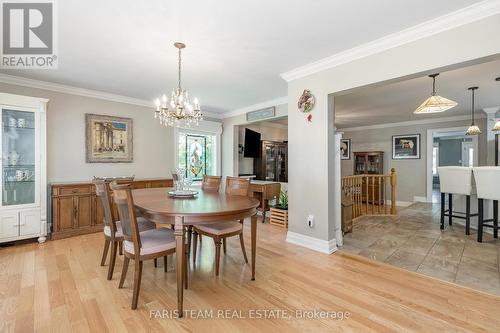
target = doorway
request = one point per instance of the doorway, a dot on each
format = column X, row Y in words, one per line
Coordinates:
column 448, row 147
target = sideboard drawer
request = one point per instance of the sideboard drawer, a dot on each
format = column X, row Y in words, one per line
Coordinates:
column 74, row 190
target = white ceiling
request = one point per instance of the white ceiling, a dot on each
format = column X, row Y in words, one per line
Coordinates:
column 395, row 102
column 235, row 49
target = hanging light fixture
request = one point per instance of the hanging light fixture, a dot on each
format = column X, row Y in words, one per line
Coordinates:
column 496, row 128
column 435, row 103
column 473, row 128
column 178, row 110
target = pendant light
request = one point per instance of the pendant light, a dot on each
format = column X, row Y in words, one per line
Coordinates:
column 435, row 103
column 496, row 128
column 473, row 128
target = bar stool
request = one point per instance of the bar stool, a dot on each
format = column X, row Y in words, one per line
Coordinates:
column 487, row 180
column 455, row 180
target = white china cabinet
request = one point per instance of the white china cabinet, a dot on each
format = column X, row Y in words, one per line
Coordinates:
column 23, row 180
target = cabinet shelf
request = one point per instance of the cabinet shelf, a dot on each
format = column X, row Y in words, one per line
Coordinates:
column 18, row 181
column 28, row 128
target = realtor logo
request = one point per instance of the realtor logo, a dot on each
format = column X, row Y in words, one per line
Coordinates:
column 28, row 34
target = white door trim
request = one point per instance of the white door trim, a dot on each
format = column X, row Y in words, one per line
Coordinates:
column 430, row 144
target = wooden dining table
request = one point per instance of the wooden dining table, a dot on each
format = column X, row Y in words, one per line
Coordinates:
column 158, row 206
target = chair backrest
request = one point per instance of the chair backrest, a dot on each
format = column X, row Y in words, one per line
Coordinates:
column 455, row 180
column 211, row 183
column 237, row 186
column 487, row 180
column 122, row 196
column 102, row 192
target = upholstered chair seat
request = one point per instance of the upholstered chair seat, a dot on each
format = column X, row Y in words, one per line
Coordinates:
column 455, row 180
column 153, row 241
column 487, row 179
column 220, row 228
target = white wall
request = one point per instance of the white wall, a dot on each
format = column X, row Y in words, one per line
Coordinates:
column 411, row 173
column 230, row 139
column 153, row 143
column 310, row 157
column 268, row 131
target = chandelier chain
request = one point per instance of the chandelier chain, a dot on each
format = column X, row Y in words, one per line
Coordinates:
column 179, row 81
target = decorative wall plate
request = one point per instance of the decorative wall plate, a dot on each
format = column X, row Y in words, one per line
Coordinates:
column 306, row 101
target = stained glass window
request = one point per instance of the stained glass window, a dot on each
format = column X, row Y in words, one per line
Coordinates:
column 195, row 154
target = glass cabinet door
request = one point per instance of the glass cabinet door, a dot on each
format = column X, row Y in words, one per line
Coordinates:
column 270, row 162
column 18, row 157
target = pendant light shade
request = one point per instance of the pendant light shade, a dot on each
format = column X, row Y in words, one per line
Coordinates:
column 435, row 103
column 473, row 128
column 496, row 128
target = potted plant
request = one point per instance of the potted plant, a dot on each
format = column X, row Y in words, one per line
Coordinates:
column 283, row 200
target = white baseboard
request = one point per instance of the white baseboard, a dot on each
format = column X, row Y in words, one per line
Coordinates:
column 420, row 199
column 312, row 243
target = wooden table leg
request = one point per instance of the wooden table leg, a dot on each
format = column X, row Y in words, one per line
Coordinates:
column 254, row 242
column 179, row 252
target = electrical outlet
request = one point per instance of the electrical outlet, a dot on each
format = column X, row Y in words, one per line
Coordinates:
column 310, row 221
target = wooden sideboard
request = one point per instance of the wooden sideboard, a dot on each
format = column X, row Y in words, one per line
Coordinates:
column 264, row 191
column 75, row 209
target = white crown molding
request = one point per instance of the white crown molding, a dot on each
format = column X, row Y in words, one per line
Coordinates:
column 446, row 22
column 66, row 89
column 410, row 123
column 312, row 243
column 254, row 107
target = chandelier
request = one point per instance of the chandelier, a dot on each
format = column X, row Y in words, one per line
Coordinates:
column 178, row 110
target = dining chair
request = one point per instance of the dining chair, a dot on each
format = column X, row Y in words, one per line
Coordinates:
column 487, row 179
column 455, row 180
column 139, row 246
column 113, row 233
column 219, row 232
column 209, row 183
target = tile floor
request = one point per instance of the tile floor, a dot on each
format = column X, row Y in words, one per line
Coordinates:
column 413, row 241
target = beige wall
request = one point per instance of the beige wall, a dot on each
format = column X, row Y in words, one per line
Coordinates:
column 268, row 132
column 311, row 158
column 230, row 139
column 411, row 173
column 153, row 143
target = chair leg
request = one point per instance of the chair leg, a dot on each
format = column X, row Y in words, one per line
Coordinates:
column 495, row 218
column 243, row 248
column 195, row 244
column 105, row 251
column 137, row 283
column 189, row 235
column 480, row 220
column 185, row 266
column 112, row 260
column 442, row 210
column 450, row 208
column 126, row 260
column 199, row 235
column 120, row 248
column 217, row 255
column 224, row 245
column 165, row 263
column 467, row 215
column 155, row 262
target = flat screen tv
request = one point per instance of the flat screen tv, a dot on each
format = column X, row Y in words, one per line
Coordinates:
column 252, row 144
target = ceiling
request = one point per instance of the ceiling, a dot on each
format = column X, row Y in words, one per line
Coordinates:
column 395, row 102
column 235, row 49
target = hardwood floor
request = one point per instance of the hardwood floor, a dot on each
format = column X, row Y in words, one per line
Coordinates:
column 60, row 287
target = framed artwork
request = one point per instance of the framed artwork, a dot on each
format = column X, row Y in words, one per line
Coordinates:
column 108, row 139
column 406, row 147
column 345, row 149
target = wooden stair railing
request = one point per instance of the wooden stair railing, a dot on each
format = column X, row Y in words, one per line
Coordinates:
column 369, row 193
